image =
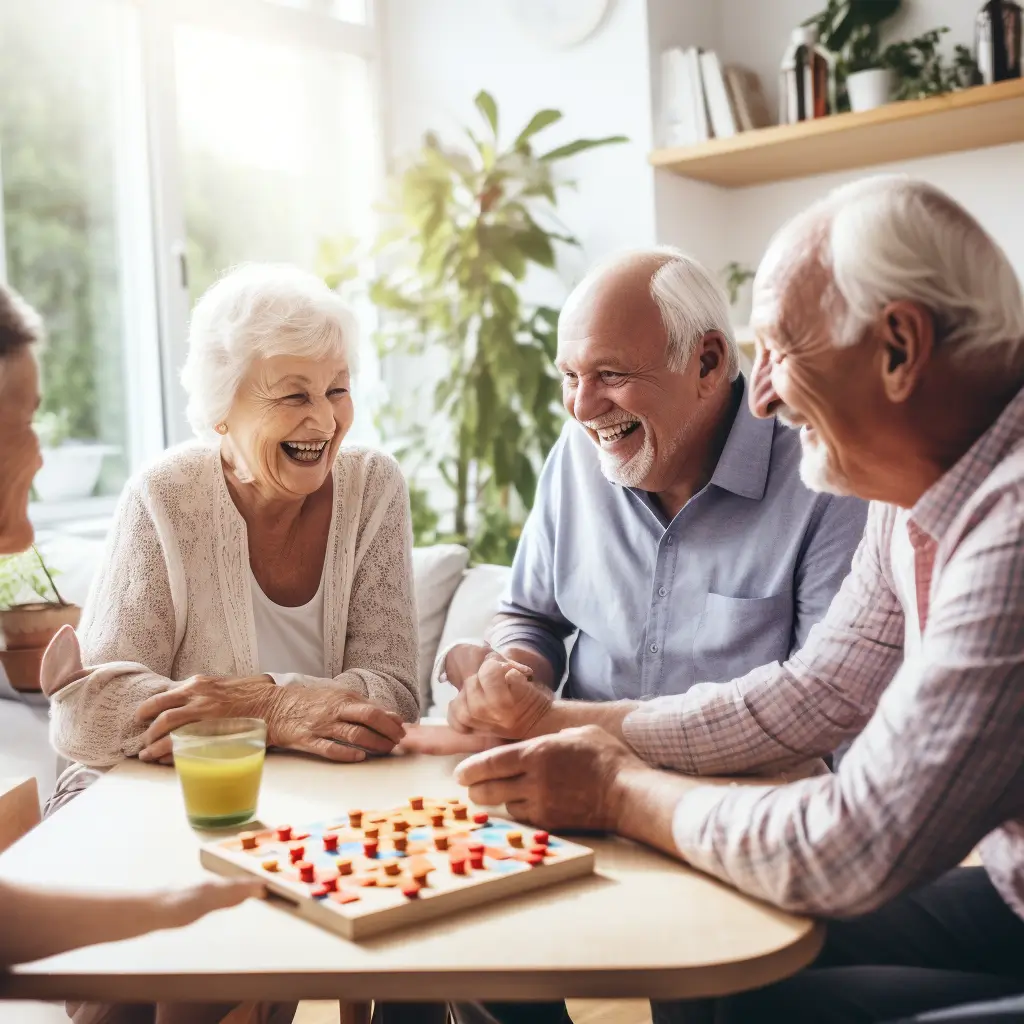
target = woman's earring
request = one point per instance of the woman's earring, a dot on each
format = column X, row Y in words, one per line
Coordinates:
column 221, row 428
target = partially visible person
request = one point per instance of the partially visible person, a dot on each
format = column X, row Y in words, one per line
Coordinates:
column 670, row 532
column 264, row 571
column 890, row 330
column 36, row 923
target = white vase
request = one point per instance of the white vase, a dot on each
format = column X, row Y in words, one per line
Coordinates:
column 71, row 471
column 869, row 89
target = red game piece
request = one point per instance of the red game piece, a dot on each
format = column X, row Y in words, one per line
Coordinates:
column 284, row 833
column 458, row 865
column 330, row 884
column 475, row 847
column 300, row 835
column 370, row 848
column 319, row 892
column 480, row 818
column 476, row 861
column 305, row 870
column 331, row 842
column 540, row 851
column 541, row 838
column 410, row 890
column 534, row 859
column 297, row 853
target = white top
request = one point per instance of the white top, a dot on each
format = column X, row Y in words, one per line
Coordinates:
column 172, row 599
column 288, row 640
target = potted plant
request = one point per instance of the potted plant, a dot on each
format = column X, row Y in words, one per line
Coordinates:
column 738, row 280
column 71, row 468
column 31, row 612
column 921, row 71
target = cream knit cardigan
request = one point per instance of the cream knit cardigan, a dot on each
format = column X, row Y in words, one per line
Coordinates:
column 172, row 598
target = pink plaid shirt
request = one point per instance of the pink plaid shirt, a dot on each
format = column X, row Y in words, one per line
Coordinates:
column 938, row 760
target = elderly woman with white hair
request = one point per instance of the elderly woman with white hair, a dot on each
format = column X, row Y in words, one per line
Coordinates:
column 264, row 571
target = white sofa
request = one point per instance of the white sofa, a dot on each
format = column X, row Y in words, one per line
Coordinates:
column 453, row 602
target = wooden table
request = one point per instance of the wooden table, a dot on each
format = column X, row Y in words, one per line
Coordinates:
column 643, row 926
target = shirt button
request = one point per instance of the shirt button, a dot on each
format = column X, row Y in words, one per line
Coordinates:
column 662, row 591
column 654, row 648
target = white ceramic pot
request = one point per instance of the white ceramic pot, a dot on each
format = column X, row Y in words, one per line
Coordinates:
column 869, row 89
column 71, row 471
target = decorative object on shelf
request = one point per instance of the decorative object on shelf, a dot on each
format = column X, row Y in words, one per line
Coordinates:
column 997, row 35
column 463, row 224
column 869, row 88
column 807, row 85
column 71, row 468
column 921, row 71
column 738, row 279
column 31, row 612
column 560, row 23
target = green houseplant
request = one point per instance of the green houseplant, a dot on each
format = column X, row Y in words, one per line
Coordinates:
column 464, row 225
column 737, row 279
column 31, row 611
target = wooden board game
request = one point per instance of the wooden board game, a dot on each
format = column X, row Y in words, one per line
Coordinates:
column 369, row 871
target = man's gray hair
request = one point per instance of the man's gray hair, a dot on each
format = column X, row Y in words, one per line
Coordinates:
column 691, row 303
column 255, row 311
column 889, row 238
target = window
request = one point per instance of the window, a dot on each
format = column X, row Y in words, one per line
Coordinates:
column 145, row 147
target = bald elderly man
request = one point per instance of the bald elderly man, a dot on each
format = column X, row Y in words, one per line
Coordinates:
column 670, row 532
column 890, row 330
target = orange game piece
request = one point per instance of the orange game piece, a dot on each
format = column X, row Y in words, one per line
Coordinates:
column 331, row 842
column 454, row 800
column 345, row 896
column 284, row 833
column 370, row 848
column 270, row 865
column 297, row 853
column 410, row 890
column 480, row 818
column 401, row 842
column 441, row 842
column 400, row 825
column 437, row 819
column 345, row 867
column 355, row 818
column 460, row 812
column 416, row 803
column 248, row 840
column 305, row 870
column 392, row 867
column 371, row 833
column 514, row 839
column 541, row 838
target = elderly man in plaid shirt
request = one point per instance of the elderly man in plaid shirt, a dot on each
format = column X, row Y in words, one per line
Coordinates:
column 890, row 331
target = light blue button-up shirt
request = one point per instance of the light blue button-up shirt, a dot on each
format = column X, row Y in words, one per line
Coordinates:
column 734, row 581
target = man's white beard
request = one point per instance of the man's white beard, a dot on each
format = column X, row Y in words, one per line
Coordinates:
column 633, row 471
column 816, row 469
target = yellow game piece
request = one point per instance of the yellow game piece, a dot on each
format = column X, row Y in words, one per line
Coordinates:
column 515, row 839
column 270, row 865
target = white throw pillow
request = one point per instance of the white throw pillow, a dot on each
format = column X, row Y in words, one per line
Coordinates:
column 436, row 571
column 472, row 608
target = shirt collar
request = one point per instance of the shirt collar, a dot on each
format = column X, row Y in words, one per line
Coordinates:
column 745, row 460
column 936, row 509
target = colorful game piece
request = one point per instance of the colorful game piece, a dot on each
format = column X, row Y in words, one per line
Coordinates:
column 480, row 818
column 460, row 812
column 541, row 838
column 319, row 892
column 540, row 851
column 299, row 835
column 355, row 818
column 392, row 867
column 371, row 833
column 514, row 839
column 345, row 867
column 411, row 890
column 344, row 896
column 248, row 840
column 370, row 848
column 437, row 819
column 297, row 853
column 284, row 833
column 270, row 865
column 400, row 842
column 330, row 884
column 454, row 800
column 475, row 848
column 441, row 842
column 400, row 825
column 534, row 859
column 416, row 803
column 476, row 861
column 458, row 865
column 305, row 870
column 331, row 842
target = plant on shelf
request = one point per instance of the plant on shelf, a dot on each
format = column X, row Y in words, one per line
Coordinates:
column 921, row 71
column 31, row 611
column 462, row 227
column 736, row 276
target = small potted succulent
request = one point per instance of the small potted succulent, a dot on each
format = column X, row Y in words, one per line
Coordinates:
column 31, row 612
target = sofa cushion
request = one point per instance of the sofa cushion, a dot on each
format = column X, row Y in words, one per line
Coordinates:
column 437, row 572
column 470, row 613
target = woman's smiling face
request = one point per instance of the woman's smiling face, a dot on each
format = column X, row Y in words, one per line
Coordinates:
column 287, row 422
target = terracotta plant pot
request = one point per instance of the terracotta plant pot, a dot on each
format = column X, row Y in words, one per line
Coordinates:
column 22, row 668
column 33, row 625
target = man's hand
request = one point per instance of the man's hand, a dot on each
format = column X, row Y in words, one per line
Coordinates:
column 502, row 700
column 176, row 908
column 575, row 779
column 196, row 700
column 464, row 660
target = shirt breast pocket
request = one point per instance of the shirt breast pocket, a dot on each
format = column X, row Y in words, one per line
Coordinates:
column 737, row 634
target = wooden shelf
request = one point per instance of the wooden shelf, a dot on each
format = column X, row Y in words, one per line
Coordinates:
column 986, row 115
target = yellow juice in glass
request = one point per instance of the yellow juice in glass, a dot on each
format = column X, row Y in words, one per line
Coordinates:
column 220, row 774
